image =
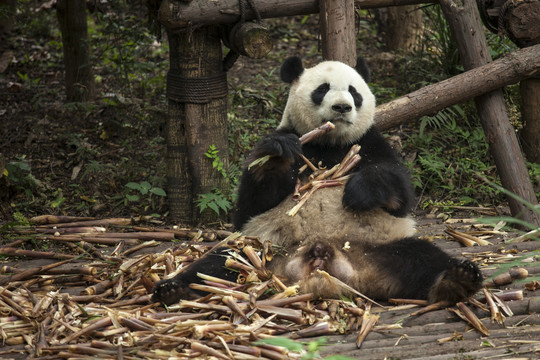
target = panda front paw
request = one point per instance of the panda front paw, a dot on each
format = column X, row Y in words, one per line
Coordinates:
column 284, row 145
column 276, row 153
column 171, row 291
column 365, row 192
column 459, row 282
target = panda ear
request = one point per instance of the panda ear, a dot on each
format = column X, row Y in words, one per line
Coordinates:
column 291, row 69
column 363, row 69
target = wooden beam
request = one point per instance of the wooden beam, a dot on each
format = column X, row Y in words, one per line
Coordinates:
column 178, row 15
column 510, row 69
column 464, row 21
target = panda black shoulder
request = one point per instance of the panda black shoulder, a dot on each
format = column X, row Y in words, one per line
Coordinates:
column 374, row 144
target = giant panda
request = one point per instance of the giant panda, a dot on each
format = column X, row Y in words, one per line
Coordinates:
column 360, row 233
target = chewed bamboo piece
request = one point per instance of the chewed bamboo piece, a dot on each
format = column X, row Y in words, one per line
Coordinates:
column 466, row 239
column 337, row 174
column 316, row 133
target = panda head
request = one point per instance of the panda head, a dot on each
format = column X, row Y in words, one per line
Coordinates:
column 330, row 91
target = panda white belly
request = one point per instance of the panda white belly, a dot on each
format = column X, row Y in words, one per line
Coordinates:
column 323, row 215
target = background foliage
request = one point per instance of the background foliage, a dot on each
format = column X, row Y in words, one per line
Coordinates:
column 106, row 158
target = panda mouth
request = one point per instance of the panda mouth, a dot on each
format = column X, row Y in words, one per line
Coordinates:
column 339, row 119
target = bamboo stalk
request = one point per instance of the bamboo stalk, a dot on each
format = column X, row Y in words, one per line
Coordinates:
column 318, row 132
column 31, row 272
column 34, row 254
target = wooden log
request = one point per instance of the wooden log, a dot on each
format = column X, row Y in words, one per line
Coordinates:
column 464, row 21
column 510, row 69
column 338, row 30
column 519, row 20
column 174, row 15
column 250, row 39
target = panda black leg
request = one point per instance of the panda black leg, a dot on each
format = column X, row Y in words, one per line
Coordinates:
column 460, row 281
column 172, row 290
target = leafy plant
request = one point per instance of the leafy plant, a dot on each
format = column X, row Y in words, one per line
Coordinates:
column 20, row 175
column 142, row 192
column 217, row 200
column 217, row 163
column 448, row 155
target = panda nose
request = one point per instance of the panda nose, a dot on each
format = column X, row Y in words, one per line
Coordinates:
column 342, row 108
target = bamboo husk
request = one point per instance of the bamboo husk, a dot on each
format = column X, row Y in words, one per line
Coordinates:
column 465, row 313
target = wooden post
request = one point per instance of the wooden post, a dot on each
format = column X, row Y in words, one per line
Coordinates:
column 197, row 89
column 464, row 21
column 338, row 30
column 530, row 114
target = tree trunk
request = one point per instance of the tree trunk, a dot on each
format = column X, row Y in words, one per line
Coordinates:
column 197, row 89
column 73, row 25
column 464, row 21
column 8, row 8
column 401, row 26
column 338, row 30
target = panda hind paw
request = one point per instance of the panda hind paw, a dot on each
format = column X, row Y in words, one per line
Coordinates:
column 170, row 291
column 457, row 283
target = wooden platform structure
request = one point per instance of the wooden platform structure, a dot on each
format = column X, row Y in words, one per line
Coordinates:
column 197, row 85
column 87, row 294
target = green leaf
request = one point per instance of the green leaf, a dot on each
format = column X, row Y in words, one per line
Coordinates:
column 158, row 191
column 288, row 344
column 146, row 185
column 213, row 206
column 133, row 185
column 132, row 197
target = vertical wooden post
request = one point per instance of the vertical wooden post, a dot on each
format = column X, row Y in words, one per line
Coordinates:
column 464, row 21
column 530, row 113
column 197, row 89
column 338, row 30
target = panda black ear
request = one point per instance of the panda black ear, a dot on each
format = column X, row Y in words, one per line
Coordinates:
column 291, row 69
column 363, row 69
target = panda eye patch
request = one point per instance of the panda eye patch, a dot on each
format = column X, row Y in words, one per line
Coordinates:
column 356, row 96
column 318, row 94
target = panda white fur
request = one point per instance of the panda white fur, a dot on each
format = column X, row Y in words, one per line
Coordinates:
column 369, row 213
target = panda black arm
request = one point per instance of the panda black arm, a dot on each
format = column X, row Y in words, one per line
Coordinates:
column 265, row 185
column 379, row 180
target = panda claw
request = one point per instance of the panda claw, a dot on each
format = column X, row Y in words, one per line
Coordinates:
column 459, row 282
column 170, row 291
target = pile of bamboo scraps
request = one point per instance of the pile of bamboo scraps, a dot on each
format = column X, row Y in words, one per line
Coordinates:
column 96, row 300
